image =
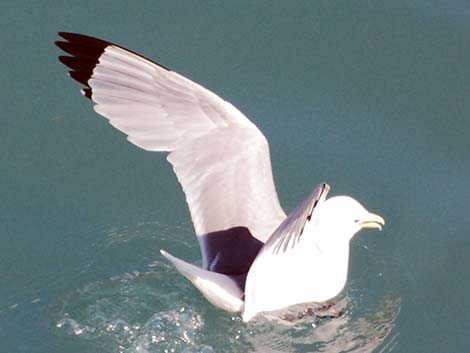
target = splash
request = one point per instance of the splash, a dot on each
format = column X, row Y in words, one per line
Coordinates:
column 118, row 316
column 154, row 309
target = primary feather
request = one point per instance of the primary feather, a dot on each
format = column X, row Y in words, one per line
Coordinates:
column 254, row 258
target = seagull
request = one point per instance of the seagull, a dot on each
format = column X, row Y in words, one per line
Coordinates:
column 255, row 258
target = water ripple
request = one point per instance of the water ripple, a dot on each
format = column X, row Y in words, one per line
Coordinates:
column 151, row 308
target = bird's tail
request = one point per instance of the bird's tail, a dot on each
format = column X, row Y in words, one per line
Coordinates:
column 218, row 288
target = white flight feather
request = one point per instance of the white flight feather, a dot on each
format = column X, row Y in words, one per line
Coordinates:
column 220, row 157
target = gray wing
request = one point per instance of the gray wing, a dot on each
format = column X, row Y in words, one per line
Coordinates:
column 291, row 229
column 219, row 156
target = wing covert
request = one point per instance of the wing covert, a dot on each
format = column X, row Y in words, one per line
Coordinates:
column 220, row 157
column 291, row 229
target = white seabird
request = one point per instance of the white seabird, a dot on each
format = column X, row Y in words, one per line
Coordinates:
column 255, row 259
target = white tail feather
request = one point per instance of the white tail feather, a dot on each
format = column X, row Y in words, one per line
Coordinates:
column 219, row 289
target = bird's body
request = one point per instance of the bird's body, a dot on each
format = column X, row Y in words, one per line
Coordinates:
column 255, row 258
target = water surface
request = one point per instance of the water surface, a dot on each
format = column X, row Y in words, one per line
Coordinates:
column 371, row 97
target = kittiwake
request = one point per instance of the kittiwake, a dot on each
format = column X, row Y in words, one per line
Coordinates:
column 254, row 258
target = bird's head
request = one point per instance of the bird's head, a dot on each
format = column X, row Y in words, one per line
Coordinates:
column 341, row 217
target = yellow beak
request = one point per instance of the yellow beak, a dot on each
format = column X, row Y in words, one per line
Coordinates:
column 372, row 221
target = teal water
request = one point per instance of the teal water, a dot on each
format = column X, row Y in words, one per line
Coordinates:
column 372, row 97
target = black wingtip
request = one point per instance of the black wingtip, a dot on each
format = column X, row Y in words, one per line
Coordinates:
column 86, row 42
column 86, row 92
column 83, row 55
column 80, row 76
column 76, row 37
column 62, row 34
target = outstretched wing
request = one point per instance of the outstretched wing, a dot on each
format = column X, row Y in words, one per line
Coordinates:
column 220, row 158
column 272, row 281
